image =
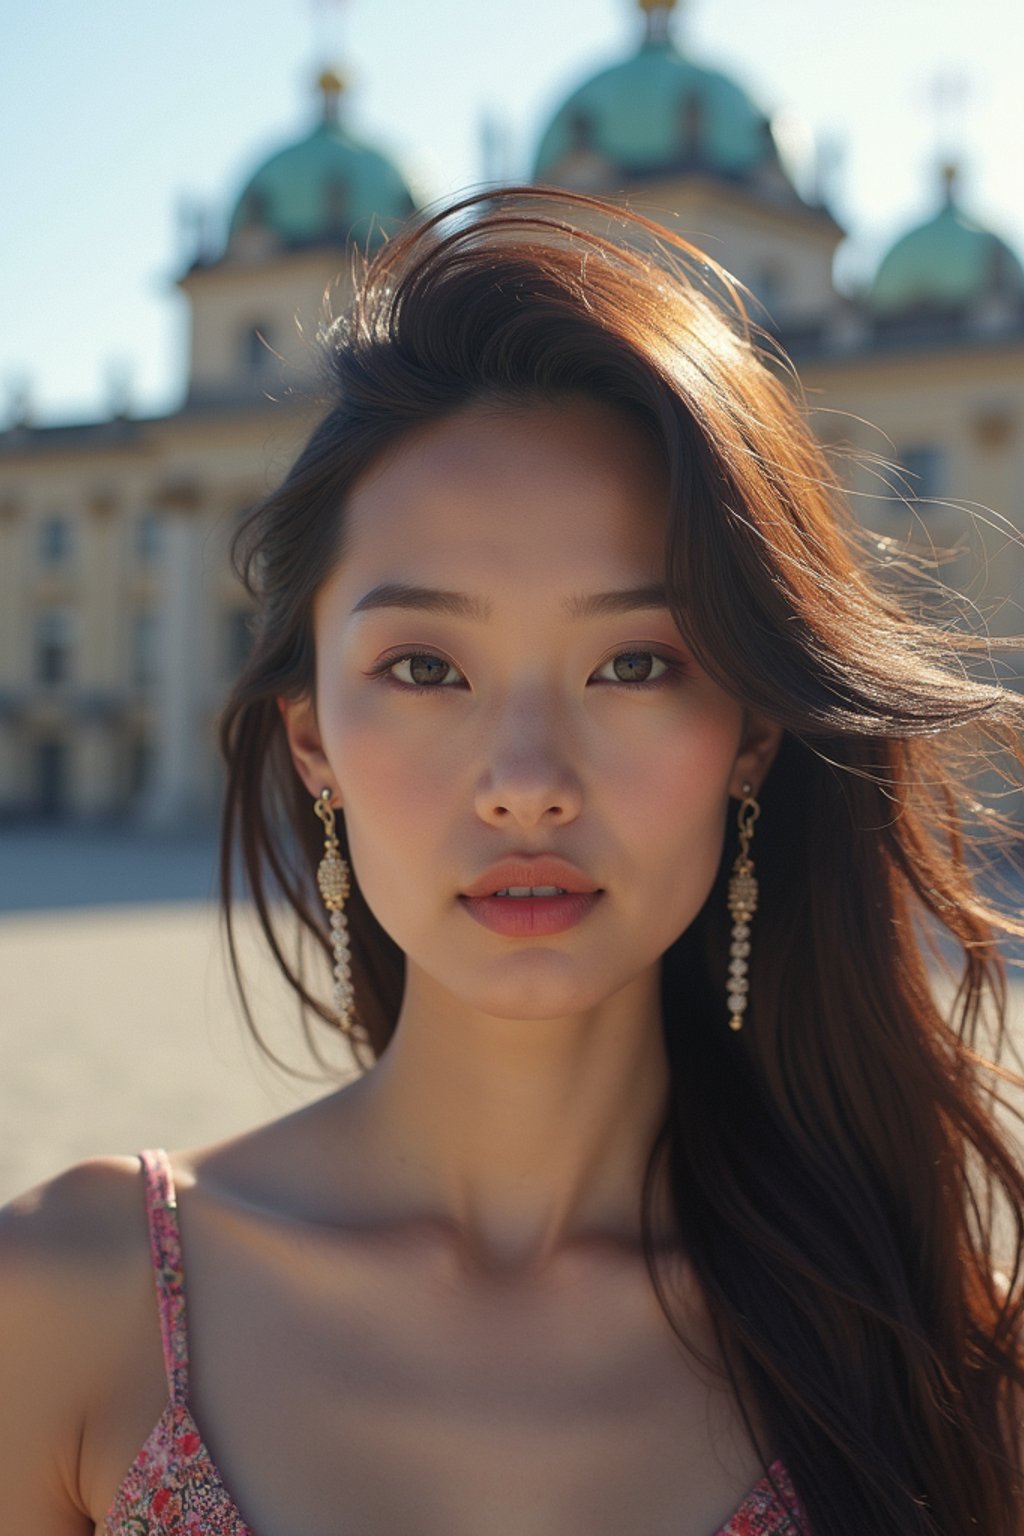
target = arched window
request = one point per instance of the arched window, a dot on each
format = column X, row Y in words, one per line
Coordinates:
column 54, row 636
column 147, row 538
column 145, row 647
column 258, row 355
column 337, row 198
column 50, row 776
column 692, row 126
column 252, row 213
column 924, row 467
column 770, row 286
column 582, row 134
column 55, row 539
column 238, row 638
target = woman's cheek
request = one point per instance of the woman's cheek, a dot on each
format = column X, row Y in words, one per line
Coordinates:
column 383, row 755
column 681, row 757
column 675, row 788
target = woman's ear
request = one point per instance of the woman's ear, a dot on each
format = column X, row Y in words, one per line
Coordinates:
column 303, row 735
column 761, row 740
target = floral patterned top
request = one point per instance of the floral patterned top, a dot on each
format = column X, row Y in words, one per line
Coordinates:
column 173, row 1488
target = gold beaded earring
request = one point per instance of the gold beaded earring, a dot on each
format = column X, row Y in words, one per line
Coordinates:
column 332, row 877
column 742, row 906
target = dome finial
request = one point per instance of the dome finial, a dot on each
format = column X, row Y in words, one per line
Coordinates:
column 950, row 171
column 657, row 13
column 330, row 85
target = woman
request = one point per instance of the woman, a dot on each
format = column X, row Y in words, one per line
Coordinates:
column 665, row 1201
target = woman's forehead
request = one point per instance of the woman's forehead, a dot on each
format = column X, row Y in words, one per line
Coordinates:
column 579, row 468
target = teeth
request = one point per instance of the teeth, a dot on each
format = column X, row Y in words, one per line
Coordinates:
column 532, row 890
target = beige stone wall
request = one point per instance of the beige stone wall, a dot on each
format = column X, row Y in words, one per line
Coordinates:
column 780, row 250
column 966, row 404
column 285, row 298
column 782, row 253
column 155, row 638
column 105, row 714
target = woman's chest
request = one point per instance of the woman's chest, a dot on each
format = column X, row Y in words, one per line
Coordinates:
column 434, row 1407
column 491, row 1453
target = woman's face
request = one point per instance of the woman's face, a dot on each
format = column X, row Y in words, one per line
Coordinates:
column 451, row 741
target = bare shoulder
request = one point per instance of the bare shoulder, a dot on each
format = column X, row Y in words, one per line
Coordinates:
column 71, row 1250
column 76, row 1214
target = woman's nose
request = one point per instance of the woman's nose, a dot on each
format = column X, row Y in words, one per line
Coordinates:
column 529, row 770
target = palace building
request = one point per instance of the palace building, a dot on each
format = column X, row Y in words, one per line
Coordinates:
column 121, row 624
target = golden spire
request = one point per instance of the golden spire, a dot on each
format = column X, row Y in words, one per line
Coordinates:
column 330, row 85
column 949, row 171
column 657, row 13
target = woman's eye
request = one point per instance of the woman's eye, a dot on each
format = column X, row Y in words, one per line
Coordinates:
column 424, row 670
column 637, row 667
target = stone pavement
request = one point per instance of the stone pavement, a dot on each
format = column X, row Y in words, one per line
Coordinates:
column 118, row 1028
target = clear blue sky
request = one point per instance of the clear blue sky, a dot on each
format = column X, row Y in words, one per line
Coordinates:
column 116, row 112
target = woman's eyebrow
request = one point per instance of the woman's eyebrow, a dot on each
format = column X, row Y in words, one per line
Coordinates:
column 619, row 600
column 460, row 605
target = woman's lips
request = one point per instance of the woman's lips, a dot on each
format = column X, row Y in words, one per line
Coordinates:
column 525, row 917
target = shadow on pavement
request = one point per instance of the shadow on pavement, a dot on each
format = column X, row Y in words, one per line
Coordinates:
column 47, row 867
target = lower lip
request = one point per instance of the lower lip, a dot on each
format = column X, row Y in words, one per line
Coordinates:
column 526, row 917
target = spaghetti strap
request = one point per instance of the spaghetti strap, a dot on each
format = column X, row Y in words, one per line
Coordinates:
column 168, row 1270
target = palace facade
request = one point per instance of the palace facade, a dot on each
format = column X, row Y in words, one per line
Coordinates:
column 121, row 624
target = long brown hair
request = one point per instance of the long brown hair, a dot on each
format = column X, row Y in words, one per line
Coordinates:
column 841, row 1181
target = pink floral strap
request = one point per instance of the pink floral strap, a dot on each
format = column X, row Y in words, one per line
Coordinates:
column 168, row 1269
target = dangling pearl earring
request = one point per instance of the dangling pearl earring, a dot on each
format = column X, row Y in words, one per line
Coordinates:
column 332, row 877
column 742, row 906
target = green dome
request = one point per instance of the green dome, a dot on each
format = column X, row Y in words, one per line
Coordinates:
column 325, row 189
column 948, row 262
column 658, row 112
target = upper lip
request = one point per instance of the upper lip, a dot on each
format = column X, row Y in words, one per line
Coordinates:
column 528, row 869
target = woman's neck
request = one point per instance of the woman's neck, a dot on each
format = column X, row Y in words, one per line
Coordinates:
column 518, row 1140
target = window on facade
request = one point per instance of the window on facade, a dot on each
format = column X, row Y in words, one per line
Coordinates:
column 144, row 648
column 924, row 471
column 253, row 211
column 54, row 540
column 147, row 538
column 769, row 285
column 141, row 761
column 237, row 640
column 257, row 345
column 692, row 126
column 54, row 640
column 582, row 131
column 50, row 775
column 336, row 205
